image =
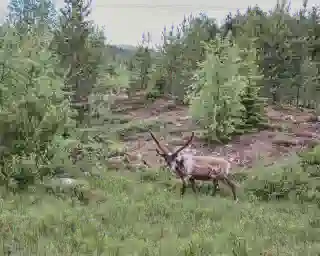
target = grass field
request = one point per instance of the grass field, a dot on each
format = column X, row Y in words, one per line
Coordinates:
column 133, row 216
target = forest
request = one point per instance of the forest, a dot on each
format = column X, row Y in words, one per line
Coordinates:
column 80, row 173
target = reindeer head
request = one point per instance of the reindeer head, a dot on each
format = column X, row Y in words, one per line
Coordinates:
column 171, row 159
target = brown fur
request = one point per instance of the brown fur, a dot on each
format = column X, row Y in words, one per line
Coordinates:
column 213, row 161
column 202, row 168
column 207, row 173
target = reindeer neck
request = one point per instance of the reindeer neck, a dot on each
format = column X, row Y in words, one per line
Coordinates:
column 179, row 170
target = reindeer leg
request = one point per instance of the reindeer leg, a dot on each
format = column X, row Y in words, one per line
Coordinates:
column 193, row 185
column 215, row 185
column 183, row 188
column 232, row 186
column 209, row 188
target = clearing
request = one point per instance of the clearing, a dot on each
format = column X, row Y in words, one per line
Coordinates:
column 289, row 131
column 138, row 214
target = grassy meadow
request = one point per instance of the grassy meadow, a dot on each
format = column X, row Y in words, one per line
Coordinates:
column 72, row 105
column 142, row 213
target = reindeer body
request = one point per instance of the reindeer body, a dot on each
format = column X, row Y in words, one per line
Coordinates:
column 204, row 171
column 215, row 162
column 192, row 162
column 189, row 167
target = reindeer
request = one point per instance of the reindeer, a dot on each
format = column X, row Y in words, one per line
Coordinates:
column 189, row 167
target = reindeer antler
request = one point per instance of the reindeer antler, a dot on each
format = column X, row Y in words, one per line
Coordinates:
column 165, row 151
column 185, row 145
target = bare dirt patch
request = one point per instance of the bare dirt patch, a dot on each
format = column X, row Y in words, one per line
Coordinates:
column 296, row 133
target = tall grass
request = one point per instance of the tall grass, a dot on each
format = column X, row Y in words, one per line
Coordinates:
column 138, row 217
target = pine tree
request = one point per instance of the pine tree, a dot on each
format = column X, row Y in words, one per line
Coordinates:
column 248, row 40
column 140, row 68
column 215, row 97
column 314, row 38
column 309, row 88
column 29, row 13
column 89, row 80
column 253, row 113
column 70, row 43
column 33, row 112
column 197, row 30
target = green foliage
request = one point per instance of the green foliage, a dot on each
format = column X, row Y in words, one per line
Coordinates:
column 170, row 64
column 111, row 80
column 279, row 184
column 179, row 55
column 125, row 215
column 70, row 44
column 40, row 71
column 45, row 77
column 247, row 38
column 253, row 113
column 93, row 77
column 284, row 46
column 298, row 182
column 34, row 114
column 308, row 88
column 311, row 159
column 157, row 85
column 140, row 68
column 215, row 97
column 25, row 14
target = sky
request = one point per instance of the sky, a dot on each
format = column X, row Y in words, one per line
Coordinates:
column 125, row 21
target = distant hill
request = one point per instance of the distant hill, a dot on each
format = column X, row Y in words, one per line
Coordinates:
column 124, row 51
column 127, row 47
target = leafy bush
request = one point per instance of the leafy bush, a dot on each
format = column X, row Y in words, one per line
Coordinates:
column 34, row 114
column 292, row 182
column 215, row 97
column 277, row 183
column 310, row 158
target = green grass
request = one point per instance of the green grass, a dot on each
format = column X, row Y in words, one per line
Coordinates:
column 143, row 218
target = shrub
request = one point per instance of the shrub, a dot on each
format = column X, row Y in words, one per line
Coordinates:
column 215, row 97
column 34, row 113
column 292, row 182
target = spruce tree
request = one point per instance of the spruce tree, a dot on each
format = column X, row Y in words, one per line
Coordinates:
column 248, row 39
column 33, row 110
column 140, row 68
column 70, row 43
column 253, row 112
column 215, row 97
